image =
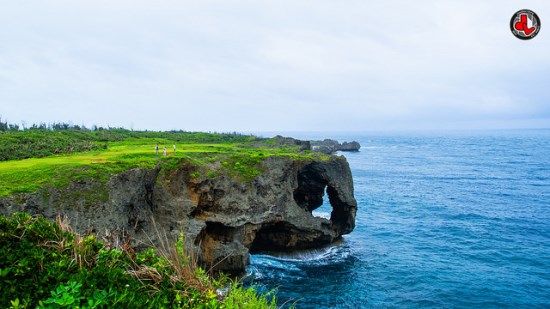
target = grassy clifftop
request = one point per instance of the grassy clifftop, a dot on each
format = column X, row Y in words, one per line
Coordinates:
column 40, row 157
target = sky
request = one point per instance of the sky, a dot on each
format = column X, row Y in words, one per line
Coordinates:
column 258, row 66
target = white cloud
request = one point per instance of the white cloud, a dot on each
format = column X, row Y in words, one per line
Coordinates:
column 272, row 65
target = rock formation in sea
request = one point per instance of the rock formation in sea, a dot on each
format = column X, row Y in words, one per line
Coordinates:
column 223, row 218
column 329, row 146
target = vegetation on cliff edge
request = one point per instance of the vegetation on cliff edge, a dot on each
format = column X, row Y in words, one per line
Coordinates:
column 52, row 156
column 47, row 265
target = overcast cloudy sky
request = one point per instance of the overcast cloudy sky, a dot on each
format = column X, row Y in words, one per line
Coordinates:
column 274, row 65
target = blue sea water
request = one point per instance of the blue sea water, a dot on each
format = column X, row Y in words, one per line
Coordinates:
column 449, row 220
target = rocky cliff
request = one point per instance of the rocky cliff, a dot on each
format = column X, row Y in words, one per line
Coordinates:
column 222, row 217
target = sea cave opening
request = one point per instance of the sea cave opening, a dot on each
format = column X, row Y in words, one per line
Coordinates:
column 316, row 194
column 277, row 236
column 312, row 193
column 324, row 211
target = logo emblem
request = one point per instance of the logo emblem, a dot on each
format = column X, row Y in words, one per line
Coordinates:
column 525, row 24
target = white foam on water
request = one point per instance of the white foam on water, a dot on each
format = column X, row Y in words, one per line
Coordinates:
column 321, row 214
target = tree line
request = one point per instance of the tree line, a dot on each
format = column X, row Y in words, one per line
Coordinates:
column 54, row 126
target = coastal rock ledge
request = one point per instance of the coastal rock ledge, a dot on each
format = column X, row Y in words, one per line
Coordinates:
column 222, row 218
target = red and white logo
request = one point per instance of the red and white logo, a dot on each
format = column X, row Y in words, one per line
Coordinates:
column 525, row 24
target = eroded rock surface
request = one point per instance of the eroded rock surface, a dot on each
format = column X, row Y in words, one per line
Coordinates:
column 222, row 218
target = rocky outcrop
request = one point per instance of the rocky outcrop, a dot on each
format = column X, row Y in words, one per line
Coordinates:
column 329, row 146
column 222, row 218
column 326, row 146
column 289, row 141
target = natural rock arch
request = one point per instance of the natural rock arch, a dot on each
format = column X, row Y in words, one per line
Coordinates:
column 313, row 181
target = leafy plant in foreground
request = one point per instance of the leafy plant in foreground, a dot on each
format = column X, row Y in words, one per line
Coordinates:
column 46, row 265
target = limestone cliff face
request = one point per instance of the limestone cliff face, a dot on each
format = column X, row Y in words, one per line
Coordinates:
column 223, row 219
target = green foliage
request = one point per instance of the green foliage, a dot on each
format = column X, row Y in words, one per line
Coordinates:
column 45, row 265
column 46, row 140
column 66, row 295
column 18, row 145
column 244, row 165
column 248, row 298
column 97, row 155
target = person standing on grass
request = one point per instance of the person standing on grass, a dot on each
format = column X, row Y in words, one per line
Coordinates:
column 157, row 149
column 174, row 148
column 165, row 151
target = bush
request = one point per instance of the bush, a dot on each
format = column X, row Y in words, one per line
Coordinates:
column 59, row 138
column 46, row 265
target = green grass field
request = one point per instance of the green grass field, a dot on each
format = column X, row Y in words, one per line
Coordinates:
column 238, row 155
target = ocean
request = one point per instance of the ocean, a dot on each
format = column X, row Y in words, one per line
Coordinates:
column 444, row 220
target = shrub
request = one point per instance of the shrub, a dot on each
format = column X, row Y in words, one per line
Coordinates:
column 46, row 265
